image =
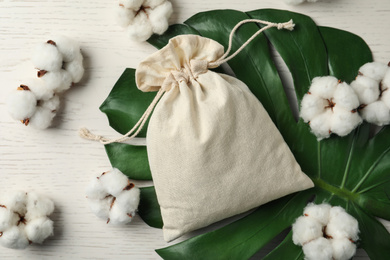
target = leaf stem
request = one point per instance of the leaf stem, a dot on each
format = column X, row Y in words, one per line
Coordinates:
column 348, row 165
column 340, row 192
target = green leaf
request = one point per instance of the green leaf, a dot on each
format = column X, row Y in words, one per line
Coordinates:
column 129, row 159
column 286, row 250
column 149, row 209
column 125, row 104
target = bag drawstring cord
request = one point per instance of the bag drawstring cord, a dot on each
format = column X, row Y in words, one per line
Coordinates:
column 86, row 134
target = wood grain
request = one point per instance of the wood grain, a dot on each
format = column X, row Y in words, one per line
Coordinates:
column 58, row 163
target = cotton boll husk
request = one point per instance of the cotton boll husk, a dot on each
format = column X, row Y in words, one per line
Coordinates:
column 318, row 212
column 319, row 249
column 52, row 104
column 114, row 181
column 311, row 106
column 47, row 57
column 153, row 3
column 75, row 68
column 68, row 47
column 374, row 70
column 39, row 89
column 294, row 2
column 7, row 219
column 101, row 208
column 320, row 125
column 37, row 230
column 42, row 118
column 124, row 16
column 306, row 229
column 344, row 121
column 140, row 29
column 366, row 89
column 128, row 200
column 343, row 249
column 376, row 113
column 118, row 216
column 132, row 4
column 342, row 225
column 345, row 96
column 95, row 190
column 17, row 202
column 159, row 17
column 58, row 81
column 14, row 238
column 21, row 104
column 38, row 206
column 324, row 86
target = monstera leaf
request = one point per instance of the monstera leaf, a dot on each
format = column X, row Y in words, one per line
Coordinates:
column 352, row 172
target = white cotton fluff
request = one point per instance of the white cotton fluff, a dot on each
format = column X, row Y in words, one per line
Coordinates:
column 374, row 70
column 39, row 229
column 344, row 96
column 311, row 106
column 324, row 87
column 14, row 238
column 318, row 249
column 366, row 89
column 17, row 202
column 377, row 113
column 7, row 218
column 344, row 121
column 306, row 229
column 114, row 181
column 386, row 97
column 319, row 212
column 159, row 17
column 131, row 4
column 42, row 118
column 343, row 249
column 21, row 104
column 68, row 47
column 140, row 29
column 47, row 57
column 39, row 89
column 57, row 81
column 342, row 225
column 321, row 125
column 386, row 78
column 113, row 197
column 75, row 68
column 124, row 16
column 38, row 206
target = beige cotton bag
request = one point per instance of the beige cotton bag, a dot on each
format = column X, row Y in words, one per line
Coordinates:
column 213, row 150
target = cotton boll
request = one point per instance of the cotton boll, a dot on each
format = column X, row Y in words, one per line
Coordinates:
column 52, row 104
column 312, row 106
column 159, row 17
column 47, row 57
column 16, row 202
column 320, row 125
column 318, row 212
column 124, row 16
column 39, row 89
column 21, row 104
column 131, row 4
column 14, row 238
column 7, row 219
column 42, row 118
column 140, row 29
column 324, row 86
column 128, row 200
column 345, row 96
column 68, row 48
column 294, row 2
column 374, row 70
column 95, row 190
column 376, row 113
column 37, row 230
column 75, row 68
column 306, row 229
column 114, row 181
column 38, row 206
column 153, row 3
column 101, row 208
column 343, row 249
column 342, row 225
column 319, row 249
column 118, row 216
column 344, row 121
column 366, row 89
column 58, row 81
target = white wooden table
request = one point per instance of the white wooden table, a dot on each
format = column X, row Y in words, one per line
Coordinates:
column 57, row 162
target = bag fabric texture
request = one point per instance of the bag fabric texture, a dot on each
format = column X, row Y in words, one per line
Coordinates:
column 213, row 150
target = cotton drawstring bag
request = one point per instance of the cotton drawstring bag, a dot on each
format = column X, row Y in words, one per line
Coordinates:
column 213, row 150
